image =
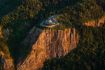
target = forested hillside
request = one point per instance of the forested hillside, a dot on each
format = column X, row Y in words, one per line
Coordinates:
column 18, row 17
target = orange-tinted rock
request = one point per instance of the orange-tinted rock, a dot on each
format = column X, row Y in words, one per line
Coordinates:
column 49, row 44
column 6, row 61
column 96, row 23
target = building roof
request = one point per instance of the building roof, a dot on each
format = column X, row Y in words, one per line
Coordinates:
column 51, row 21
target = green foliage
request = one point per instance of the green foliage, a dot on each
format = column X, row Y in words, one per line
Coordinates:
column 19, row 22
column 101, row 3
column 7, row 6
column 89, row 55
column 19, row 16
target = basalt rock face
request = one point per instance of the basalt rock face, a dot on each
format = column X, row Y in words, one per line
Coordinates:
column 47, row 44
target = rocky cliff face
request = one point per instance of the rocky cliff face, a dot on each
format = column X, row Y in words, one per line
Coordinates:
column 48, row 44
column 1, row 36
column 96, row 23
column 8, row 64
column 6, row 61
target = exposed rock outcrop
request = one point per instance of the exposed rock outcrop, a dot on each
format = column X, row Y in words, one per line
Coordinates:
column 96, row 23
column 6, row 62
column 1, row 34
column 48, row 44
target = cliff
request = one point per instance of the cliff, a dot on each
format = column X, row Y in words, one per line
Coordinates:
column 1, row 36
column 17, row 18
column 6, row 60
column 96, row 23
column 47, row 44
